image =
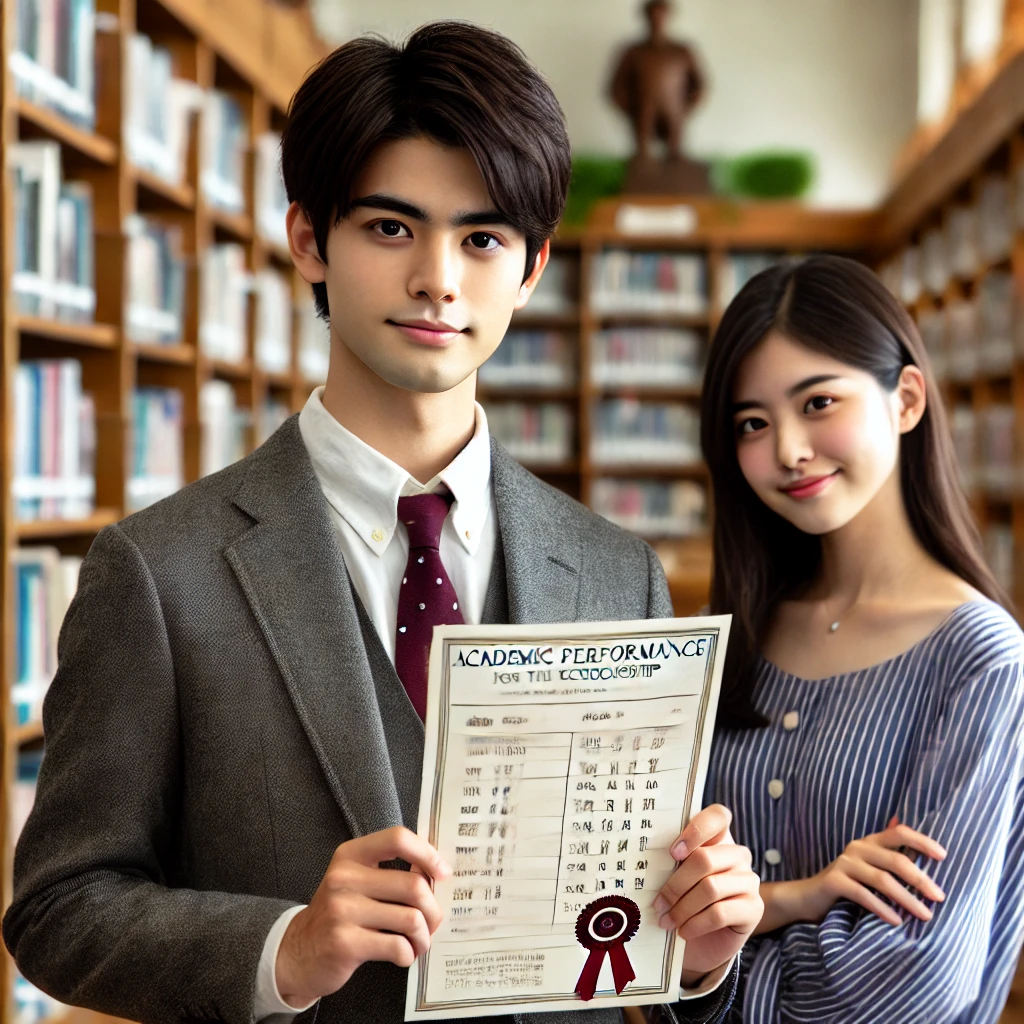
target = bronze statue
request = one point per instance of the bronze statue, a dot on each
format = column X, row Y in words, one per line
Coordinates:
column 657, row 83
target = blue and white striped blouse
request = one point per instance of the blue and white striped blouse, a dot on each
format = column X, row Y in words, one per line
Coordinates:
column 934, row 736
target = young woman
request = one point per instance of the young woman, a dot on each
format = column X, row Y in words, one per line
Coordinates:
column 871, row 713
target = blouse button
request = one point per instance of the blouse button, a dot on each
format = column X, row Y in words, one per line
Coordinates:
column 791, row 720
column 772, row 857
column 776, row 788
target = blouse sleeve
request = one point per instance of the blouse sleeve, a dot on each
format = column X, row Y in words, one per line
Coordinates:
column 962, row 793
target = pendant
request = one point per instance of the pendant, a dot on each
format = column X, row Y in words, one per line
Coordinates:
column 834, row 626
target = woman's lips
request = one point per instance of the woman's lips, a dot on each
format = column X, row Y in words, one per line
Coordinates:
column 809, row 488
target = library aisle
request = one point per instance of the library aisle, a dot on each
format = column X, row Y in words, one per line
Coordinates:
column 154, row 329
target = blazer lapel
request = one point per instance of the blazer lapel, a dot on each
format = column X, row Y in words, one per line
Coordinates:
column 542, row 559
column 291, row 569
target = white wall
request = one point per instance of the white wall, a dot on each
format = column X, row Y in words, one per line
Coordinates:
column 835, row 77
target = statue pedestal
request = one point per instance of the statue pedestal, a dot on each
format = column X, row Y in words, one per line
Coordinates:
column 677, row 176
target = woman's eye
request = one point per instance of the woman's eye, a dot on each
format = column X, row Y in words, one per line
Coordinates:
column 391, row 228
column 482, row 240
column 750, row 426
column 819, row 402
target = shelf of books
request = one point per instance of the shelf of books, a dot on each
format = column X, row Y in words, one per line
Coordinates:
column 597, row 383
column 151, row 328
column 951, row 248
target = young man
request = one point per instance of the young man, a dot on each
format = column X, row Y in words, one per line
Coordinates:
column 234, row 738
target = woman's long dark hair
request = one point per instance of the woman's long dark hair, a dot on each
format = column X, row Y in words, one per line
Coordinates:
column 838, row 307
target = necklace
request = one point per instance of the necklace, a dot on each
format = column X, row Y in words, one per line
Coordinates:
column 835, row 623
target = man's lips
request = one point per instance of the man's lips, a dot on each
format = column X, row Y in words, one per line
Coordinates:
column 427, row 332
column 809, row 487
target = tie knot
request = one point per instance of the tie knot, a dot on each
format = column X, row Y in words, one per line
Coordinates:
column 424, row 515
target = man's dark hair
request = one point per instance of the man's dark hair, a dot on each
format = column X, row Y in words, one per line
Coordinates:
column 453, row 82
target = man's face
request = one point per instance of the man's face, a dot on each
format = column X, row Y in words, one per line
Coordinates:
column 423, row 275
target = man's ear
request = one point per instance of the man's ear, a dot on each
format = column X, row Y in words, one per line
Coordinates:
column 526, row 288
column 302, row 244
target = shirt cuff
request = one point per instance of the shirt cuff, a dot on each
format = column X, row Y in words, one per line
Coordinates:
column 268, row 1001
column 708, row 983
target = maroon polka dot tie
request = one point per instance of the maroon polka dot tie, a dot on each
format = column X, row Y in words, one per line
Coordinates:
column 426, row 598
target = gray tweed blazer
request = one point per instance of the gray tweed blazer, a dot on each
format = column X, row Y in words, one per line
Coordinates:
column 224, row 716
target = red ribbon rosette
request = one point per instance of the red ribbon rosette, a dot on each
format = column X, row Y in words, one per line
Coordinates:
column 605, row 926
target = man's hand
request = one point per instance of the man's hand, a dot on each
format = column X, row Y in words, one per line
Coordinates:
column 361, row 912
column 712, row 898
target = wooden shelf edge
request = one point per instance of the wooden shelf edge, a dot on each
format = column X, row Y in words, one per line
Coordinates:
column 182, row 196
column 30, row 732
column 958, row 149
column 279, row 254
column 526, row 319
column 525, row 392
column 42, row 529
column 676, row 392
column 228, row 369
column 274, row 378
column 88, row 144
column 93, row 335
column 640, row 470
column 177, row 355
column 238, row 225
column 697, row 321
column 550, row 468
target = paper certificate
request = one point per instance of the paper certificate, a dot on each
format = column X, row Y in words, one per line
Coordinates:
column 560, row 764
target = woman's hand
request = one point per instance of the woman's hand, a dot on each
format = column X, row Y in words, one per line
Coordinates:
column 712, row 898
column 866, row 868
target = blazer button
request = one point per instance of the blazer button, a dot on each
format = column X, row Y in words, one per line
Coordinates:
column 790, row 720
column 772, row 857
column 776, row 788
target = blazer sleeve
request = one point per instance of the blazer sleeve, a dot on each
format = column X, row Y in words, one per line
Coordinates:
column 659, row 601
column 709, row 1009
column 963, row 793
column 96, row 920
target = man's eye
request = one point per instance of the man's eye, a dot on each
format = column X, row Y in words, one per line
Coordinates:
column 482, row 240
column 819, row 402
column 391, row 228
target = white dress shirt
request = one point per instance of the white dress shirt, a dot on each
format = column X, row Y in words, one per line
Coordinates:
column 362, row 488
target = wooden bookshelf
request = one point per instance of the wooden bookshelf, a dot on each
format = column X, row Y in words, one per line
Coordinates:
column 255, row 49
column 720, row 229
column 945, row 167
column 38, row 122
column 981, row 141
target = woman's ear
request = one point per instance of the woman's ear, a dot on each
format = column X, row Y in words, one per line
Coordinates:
column 913, row 398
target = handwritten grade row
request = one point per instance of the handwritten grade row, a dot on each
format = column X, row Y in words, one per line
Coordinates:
column 620, row 741
column 489, row 770
column 480, row 799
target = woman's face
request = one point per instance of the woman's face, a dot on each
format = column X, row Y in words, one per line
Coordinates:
column 816, row 438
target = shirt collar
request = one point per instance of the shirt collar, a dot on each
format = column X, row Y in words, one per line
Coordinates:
column 341, row 460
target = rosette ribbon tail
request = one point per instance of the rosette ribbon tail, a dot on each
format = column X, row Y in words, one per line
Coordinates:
column 622, row 969
column 587, row 984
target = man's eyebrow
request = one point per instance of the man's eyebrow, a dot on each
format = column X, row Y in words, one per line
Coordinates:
column 462, row 220
column 381, row 201
column 809, row 382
